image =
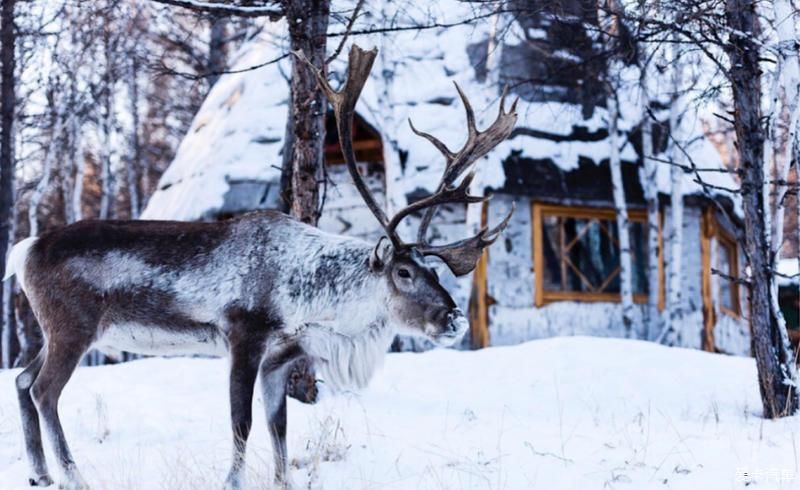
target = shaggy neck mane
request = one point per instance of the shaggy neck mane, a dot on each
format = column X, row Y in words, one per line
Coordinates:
column 339, row 310
column 347, row 361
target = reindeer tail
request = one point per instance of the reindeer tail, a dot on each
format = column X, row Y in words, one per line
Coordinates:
column 16, row 260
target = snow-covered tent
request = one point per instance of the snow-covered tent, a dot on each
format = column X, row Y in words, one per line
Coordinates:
column 554, row 167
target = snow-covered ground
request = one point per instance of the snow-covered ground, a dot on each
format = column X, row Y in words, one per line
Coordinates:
column 559, row 413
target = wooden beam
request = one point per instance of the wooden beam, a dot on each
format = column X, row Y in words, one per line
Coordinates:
column 709, row 315
column 587, row 297
column 538, row 255
column 479, row 300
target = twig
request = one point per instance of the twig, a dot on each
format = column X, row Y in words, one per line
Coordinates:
column 195, row 77
column 737, row 280
column 347, row 32
column 552, row 455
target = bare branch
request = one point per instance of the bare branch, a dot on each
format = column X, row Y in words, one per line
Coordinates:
column 736, row 279
column 217, row 8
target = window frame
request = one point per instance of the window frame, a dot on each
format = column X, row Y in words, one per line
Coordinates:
column 543, row 297
column 725, row 239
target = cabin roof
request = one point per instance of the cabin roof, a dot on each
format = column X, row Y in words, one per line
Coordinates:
column 237, row 134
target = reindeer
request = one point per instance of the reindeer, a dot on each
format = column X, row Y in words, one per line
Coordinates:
column 264, row 289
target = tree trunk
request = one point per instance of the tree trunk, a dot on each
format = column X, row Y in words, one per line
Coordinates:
column 133, row 163
column 106, row 123
column 217, row 49
column 611, row 25
column 623, row 229
column 7, row 107
column 789, row 76
column 675, row 297
column 305, row 126
column 47, row 171
column 776, row 371
column 653, row 224
column 79, row 162
column 68, row 172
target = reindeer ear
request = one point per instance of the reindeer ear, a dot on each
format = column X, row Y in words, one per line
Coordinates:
column 380, row 255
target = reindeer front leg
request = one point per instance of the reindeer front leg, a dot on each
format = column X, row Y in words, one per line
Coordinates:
column 247, row 334
column 244, row 369
column 274, row 377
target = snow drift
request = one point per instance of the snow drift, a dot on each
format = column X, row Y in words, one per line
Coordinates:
column 559, row 413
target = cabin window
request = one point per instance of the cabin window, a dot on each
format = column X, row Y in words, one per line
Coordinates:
column 576, row 254
column 727, row 264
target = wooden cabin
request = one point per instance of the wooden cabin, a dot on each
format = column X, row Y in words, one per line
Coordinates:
column 556, row 269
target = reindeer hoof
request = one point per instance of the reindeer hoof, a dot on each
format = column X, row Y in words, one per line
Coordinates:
column 284, row 483
column 75, row 483
column 40, row 481
column 233, row 482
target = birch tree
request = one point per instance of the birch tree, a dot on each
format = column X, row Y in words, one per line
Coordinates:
column 610, row 12
column 650, row 187
column 106, row 99
column 48, row 163
column 676, row 112
column 649, row 170
column 782, row 130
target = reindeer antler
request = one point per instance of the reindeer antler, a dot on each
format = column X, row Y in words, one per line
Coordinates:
column 461, row 256
column 478, row 144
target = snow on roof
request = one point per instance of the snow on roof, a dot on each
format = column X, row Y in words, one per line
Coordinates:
column 236, row 135
column 238, row 132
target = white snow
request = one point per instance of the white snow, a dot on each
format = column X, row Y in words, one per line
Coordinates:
column 570, row 412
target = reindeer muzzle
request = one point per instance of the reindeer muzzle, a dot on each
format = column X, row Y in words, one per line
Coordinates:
column 454, row 329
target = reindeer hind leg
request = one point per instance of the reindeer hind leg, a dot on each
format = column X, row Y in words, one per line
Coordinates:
column 60, row 361
column 244, row 370
column 30, row 423
column 275, row 372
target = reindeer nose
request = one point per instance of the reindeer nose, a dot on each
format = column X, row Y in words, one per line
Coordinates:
column 456, row 322
column 452, row 327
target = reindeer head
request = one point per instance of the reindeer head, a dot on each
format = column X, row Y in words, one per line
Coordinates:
column 418, row 303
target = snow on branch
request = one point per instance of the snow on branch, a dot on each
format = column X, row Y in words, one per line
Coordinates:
column 274, row 13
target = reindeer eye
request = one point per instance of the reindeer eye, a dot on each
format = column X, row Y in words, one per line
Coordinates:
column 404, row 273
